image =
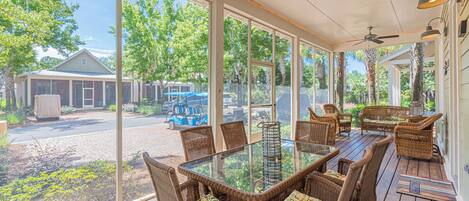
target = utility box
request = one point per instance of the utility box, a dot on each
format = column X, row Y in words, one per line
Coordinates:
column 47, row 107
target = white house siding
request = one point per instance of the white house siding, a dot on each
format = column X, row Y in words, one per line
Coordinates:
column 464, row 103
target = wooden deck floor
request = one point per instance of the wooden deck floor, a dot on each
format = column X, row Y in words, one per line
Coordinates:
column 353, row 147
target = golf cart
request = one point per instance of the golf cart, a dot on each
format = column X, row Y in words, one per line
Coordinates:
column 188, row 109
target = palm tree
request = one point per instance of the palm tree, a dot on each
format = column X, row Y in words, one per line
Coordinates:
column 370, row 63
column 370, row 57
column 341, row 79
column 417, row 63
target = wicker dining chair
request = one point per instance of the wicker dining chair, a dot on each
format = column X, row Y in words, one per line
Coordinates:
column 415, row 140
column 366, row 188
column 333, row 125
column 166, row 183
column 344, row 119
column 320, row 187
column 234, row 134
column 312, row 131
column 197, row 142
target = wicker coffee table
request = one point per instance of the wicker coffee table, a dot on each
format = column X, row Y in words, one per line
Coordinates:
column 246, row 173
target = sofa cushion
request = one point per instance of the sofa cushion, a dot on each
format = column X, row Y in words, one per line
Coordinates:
column 297, row 196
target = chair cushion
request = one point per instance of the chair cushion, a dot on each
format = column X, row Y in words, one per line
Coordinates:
column 297, row 196
column 208, row 197
column 345, row 121
column 334, row 174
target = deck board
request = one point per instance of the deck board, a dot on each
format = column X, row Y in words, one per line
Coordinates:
column 392, row 166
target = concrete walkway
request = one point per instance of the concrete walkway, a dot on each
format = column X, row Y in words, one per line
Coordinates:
column 79, row 124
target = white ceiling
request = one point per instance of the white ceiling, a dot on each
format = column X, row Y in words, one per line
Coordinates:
column 338, row 21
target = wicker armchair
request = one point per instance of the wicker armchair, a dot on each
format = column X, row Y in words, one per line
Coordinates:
column 333, row 125
column 321, row 187
column 312, row 131
column 197, row 142
column 415, row 140
column 344, row 119
column 234, row 134
column 366, row 188
column 166, row 183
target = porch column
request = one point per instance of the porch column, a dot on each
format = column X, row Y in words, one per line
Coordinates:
column 104, row 93
column 394, row 86
column 215, row 78
column 28, row 91
column 295, row 84
column 70, row 93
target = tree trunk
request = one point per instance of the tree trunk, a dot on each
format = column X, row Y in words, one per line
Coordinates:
column 370, row 62
column 8, row 88
column 321, row 74
column 417, row 59
column 341, row 80
column 161, row 85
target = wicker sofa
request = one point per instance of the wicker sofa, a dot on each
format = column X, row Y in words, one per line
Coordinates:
column 382, row 118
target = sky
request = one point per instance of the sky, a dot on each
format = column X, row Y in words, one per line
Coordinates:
column 94, row 19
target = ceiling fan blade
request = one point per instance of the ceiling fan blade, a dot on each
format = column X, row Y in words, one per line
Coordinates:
column 388, row 36
column 377, row 41
column 359, row 43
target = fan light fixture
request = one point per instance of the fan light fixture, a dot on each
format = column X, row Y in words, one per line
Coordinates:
column 431, row 33
column 424, row 4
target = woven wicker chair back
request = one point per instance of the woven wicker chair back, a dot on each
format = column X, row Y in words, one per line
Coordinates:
column 333, row 125
column 330, row 108
column 353, row 175
column 385, row 112
column 234, row 134
column 312, row 131
column 164, row 179
column 197, row 142
column 427, row 123
column 370, row 172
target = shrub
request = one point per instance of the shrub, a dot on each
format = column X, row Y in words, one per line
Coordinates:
column 3, row 141
column 67, row 110
column 149, row 109
column 15, row 118
column 3, row 104
column 129, row 107
column 112, row 108
column 67, row 184
column 356, row 114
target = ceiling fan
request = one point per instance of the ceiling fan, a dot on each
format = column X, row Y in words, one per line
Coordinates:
column 372, row 38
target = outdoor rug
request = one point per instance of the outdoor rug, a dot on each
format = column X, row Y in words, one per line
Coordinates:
column 426, row 188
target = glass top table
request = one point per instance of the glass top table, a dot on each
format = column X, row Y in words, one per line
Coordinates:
column 258, row 171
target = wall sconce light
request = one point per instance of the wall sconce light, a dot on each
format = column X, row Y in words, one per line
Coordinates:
column 463, row 28
column 431, row 33
column 424, row 4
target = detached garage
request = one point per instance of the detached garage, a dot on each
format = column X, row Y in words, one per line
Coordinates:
column 82, row 81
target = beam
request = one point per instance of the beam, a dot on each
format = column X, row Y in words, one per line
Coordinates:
column 407, row 61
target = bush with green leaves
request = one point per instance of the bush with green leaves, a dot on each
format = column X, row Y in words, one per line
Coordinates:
column 3, row 104
column 14, row 118
column 77, row 183
column 356, row 114
column 112, row 108
column 149, row 110
column 68, row 110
